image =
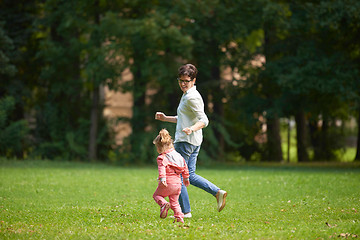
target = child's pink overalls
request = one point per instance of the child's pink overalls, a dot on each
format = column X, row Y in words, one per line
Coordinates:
column 171, row 164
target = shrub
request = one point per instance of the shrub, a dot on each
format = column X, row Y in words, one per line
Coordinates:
column 13, row 133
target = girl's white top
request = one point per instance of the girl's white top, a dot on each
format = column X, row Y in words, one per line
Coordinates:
column 175, row 158
column 189, row 112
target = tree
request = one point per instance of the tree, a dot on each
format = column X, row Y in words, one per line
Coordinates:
column 275, row 15
column 148, row 39
column 340, row 20
column 316, row 72
column 75, row 43
column 19, row 68
column 216, row 26
column 6, row 46
column 13, row 133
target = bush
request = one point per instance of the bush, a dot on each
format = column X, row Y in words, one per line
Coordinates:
column 13, row 134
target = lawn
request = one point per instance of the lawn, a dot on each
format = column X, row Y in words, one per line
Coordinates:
column 62, row 200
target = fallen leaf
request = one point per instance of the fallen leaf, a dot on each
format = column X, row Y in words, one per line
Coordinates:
column 346, row 235
column 327, row 224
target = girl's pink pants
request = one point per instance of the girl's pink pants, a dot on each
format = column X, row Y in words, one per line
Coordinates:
column 172, row 191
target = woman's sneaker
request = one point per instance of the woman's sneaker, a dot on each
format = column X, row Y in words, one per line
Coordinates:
column 186, row 215
column 221, row 199
column 164, row 210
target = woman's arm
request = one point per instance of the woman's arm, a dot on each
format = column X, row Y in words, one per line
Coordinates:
column 162, row 117
column 197, row 126
column 196, row 105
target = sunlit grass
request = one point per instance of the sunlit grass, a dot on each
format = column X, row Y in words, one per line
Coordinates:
column 45, row 200
column 346, row 154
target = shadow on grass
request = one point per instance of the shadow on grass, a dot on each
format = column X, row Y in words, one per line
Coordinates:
column 271, row 166
column 253, row 166
column 15, row 163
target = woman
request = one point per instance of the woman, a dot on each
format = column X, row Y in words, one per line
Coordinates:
column 190, row 121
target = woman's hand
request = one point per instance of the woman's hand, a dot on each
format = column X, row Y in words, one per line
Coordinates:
column 160, row 116
column 197, row 126
column 188, row 130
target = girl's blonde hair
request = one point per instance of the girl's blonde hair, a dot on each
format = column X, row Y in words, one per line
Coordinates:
column 163, row 141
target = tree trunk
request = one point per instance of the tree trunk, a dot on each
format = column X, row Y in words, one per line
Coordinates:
column 302, row 153
column 94, row 116
column 218, row 109
column 357, row 157
column 325, row 151
column 274, row 139
column 94, row 119
column 271, row 91
column 314, row 138
column 320, row 140
column 138, row 120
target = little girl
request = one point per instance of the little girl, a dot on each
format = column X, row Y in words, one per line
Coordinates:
column 170, row 165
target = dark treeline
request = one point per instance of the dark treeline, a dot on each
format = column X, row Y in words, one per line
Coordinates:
column 260, row 62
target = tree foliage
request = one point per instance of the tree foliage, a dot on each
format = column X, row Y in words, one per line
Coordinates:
column 13, row 134
column 259, row 62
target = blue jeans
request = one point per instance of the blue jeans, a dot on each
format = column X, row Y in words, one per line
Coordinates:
column 190, row 152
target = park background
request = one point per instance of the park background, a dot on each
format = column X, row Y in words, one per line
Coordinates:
column 82, row 80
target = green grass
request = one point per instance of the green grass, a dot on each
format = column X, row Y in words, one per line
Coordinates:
column 47, row 200
column 346, row 154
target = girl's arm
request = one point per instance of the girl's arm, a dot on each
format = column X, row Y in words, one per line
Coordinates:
column 186, row 175
column 162, row 170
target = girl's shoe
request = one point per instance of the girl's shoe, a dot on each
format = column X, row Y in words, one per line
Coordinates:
column 179, row 220
column 164, row 210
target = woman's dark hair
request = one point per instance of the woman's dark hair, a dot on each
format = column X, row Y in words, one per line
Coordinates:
column 188, row 70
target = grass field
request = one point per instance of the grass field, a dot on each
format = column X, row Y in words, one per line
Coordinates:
column 53, row 200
